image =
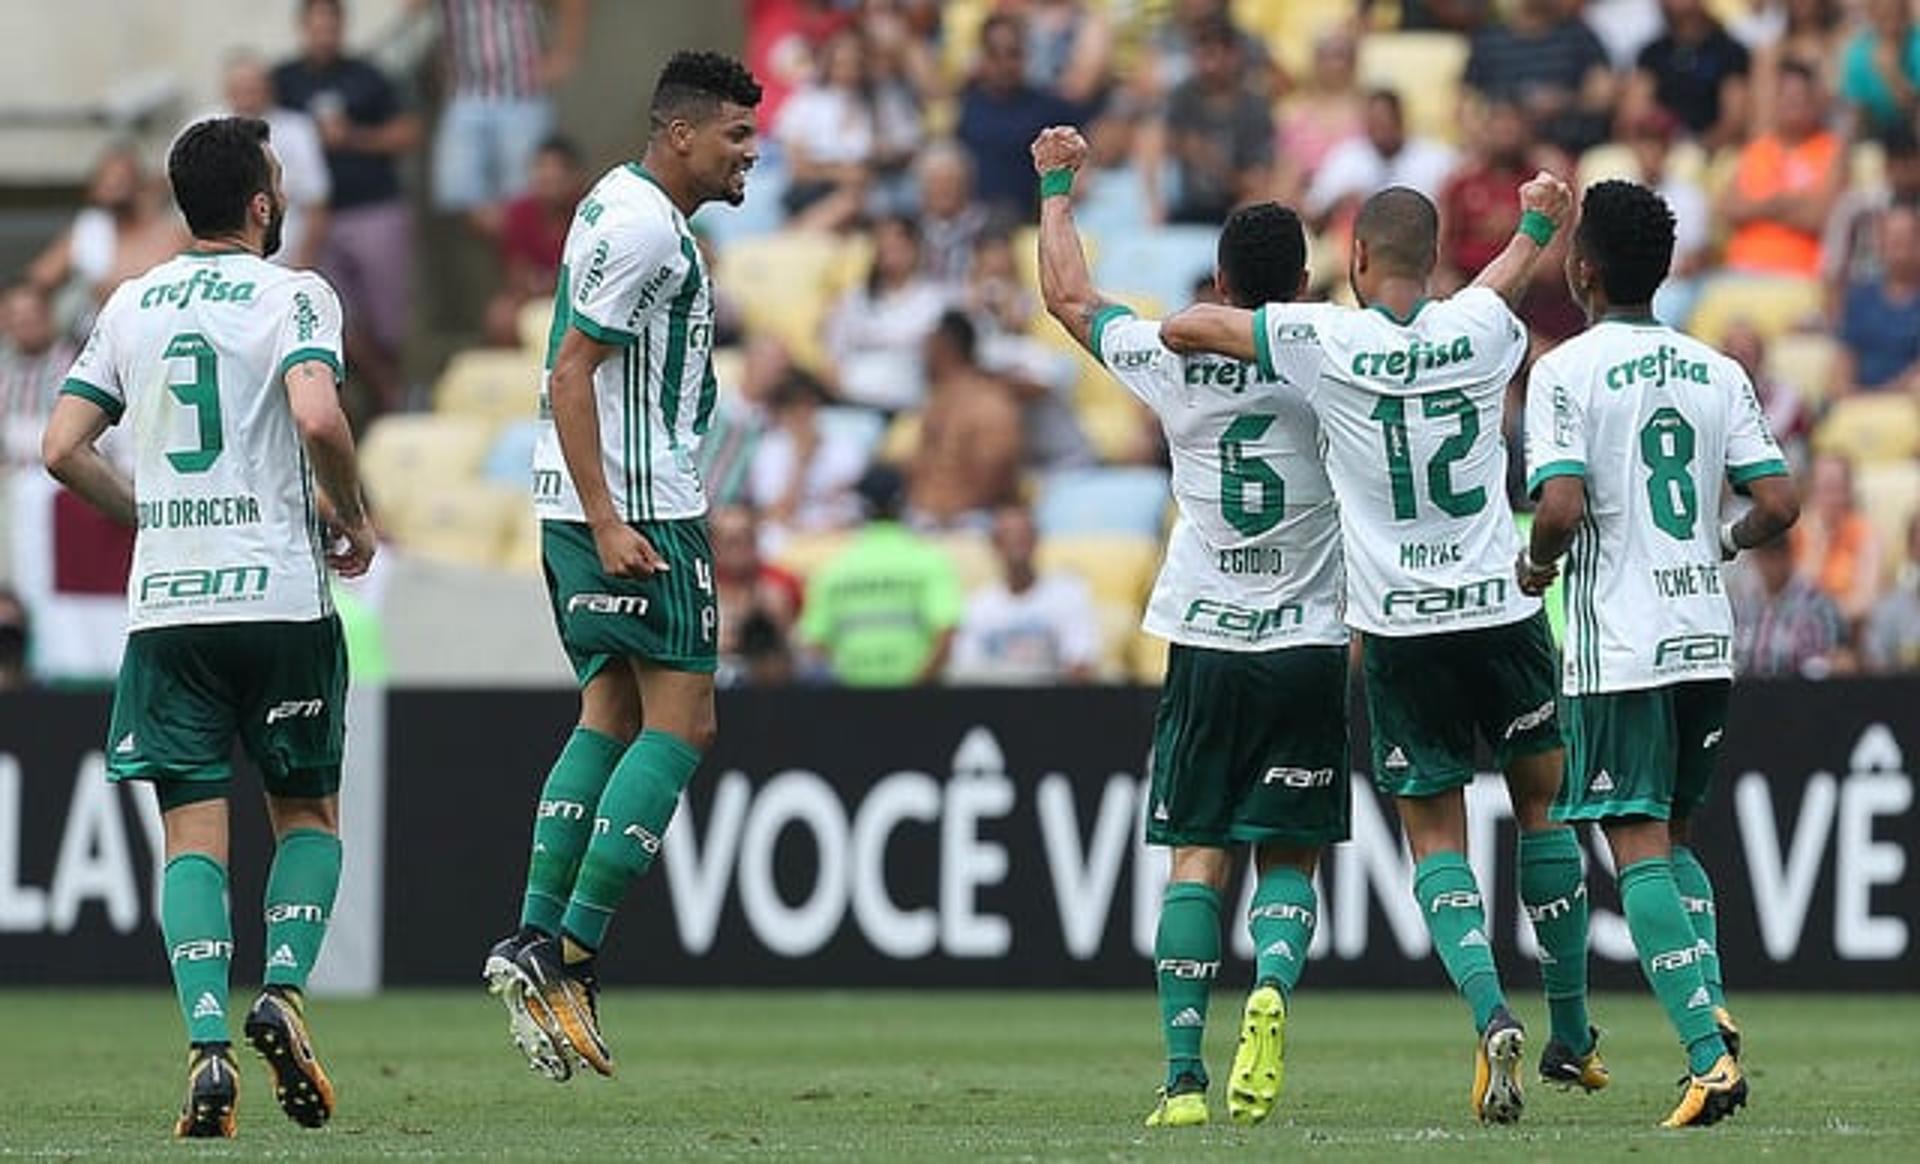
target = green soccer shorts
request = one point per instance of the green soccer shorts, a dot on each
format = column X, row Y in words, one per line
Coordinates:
column 186, row 692
column 1427, row 696
column 1645, row 753
column 670, row 620
column 1251, row 748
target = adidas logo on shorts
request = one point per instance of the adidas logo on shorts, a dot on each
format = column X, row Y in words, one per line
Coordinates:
column 1188, row 1018
column 125, row 746
column 207, row 1006
column 1395, row 758
column 1601, row 783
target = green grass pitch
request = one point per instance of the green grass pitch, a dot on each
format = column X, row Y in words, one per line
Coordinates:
column 945, row 1076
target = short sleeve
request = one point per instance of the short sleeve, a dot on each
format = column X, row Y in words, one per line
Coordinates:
column 1752, row 453
column 1495, row 321
column 627, row 276
column 311, row 329
column 1280, row 329
column 1556, row 428
column 1129, row 347
column 95, row 374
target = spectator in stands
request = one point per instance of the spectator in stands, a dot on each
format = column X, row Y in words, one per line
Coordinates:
column 1651, row 137
column 882, row 612
column 126, row 227
column 500, row 80
column 1789, row 417
column 1173, row 50
column 827, row 134
column 740, row 421
column 368, row 254
column 1786, row 184
column 1880, row 70
column 1042, row 377
column 1552, row 64
column 971, row 447
column 1025, row 627
column 1891, row 641
column 1069, row 51
column 532, row 233
column 950, row 218
column 1383, row 156
column 1783, row 624
column 1697, row 73
column 803, row 472
column 1880, row 320
column 1327, row 108
column 876, row 334
column 1834, row 545
column 34, row 358
column 1623, row 26
column 1218, row 135
column 784, row 39
column 1478, row 216
column 1848, row 253
column 1443, row 15
column 1808, row 33
column 1000, row 114
column 303, row 163
column 14, row 639
column 747, row 588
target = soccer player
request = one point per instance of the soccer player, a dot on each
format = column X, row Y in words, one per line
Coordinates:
column 628, row 393
column 1250, row 742
column 1409, row 393
column 228, row 368
column 1630, row 428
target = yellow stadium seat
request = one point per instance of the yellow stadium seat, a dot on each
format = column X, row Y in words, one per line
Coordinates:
column 1118, row 568
column 1290, row 27
column 1888, row 492
column 803, row 553
column 1773, row 304
column 1605, row 161
column 1147, row 658
column 522, row 552
column 960, row 23
column 408, row 458
column 784, row 285
column 492, row 383
column 469, row 525
column 1879, row 426
column 972, row 556
column 534, row 324
column 1803, row 361
column 1425, row 69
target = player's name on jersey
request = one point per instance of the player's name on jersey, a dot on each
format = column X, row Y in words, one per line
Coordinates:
column 198, row 512
column 1426, row 555
column 1245, row 560
column 1227, row 620
column 1406, row 364
column 1658, row 368
column 1688, row 581
column 205, row 284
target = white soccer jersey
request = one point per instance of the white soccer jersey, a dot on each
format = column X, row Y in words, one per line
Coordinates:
column 194, row 353
column 1253, row 563
column 1410, row 414
column 631, row 276
column 1652, row 420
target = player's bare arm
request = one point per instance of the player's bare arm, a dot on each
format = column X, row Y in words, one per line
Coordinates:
column 313, row 394
column 1511, row 271
column 71, row 456
column 1065, row 284
column 623, row 551
column 1776, row 506
column 1557, row 516
column 1207, row 327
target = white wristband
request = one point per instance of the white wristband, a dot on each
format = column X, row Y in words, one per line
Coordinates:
column 1728, row 545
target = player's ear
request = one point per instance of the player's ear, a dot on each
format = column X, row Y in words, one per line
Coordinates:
column 1300, row 289
column 1220, row 286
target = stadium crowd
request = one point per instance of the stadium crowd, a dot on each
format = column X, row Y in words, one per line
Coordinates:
column 916, row 477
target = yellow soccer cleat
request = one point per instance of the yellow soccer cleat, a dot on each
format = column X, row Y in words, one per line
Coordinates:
column 1259, row 1063
column 1497, row 1097
column 564, row 1002
column 277, row 1029
column 1185, row 1109
column 1729, row 1031
column 1562, row 1068
column 213, row 1094
column 1710, row 1098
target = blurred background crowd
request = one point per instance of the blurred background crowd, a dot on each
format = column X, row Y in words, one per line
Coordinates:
column 916, row 477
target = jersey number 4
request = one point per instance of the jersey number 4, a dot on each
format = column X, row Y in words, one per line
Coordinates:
column 202, row 394
column 1391, row 412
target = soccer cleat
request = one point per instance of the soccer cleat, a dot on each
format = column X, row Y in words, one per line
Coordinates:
column 1561, row 1067
column 1710, row 1098
column 1729, row 1031
column 1183, row 1104
column 213, row 1092
column 1497, row 1098
column 1259, row 1063
column 277, row 1029
column 508, row 983
column 563, row 1002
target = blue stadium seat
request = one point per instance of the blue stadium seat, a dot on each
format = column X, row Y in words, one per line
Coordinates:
column 854, row 424
column 1129, row 500
column 510, row 460
column 1161, row 263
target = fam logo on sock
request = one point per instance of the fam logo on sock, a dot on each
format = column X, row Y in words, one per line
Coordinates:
column 201, row 949
column 1187, row 969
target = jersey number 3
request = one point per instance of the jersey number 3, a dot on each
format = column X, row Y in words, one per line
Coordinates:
column 202, row 394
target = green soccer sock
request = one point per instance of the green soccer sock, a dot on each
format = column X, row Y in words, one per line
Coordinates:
column 564, row 824
column 1281, row 922
column 1186, row 960
column 300, row 891
column 1554, row 891
column 632, row 817
column 1670, row 956
column 1449, row 899
column 1696, row 897
column 199, row 937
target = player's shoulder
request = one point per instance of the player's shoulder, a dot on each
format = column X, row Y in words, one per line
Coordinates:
column 626, row 199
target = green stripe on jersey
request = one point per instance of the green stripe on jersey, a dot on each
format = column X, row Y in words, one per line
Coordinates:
column 709, row 393
column 314, row 355
column 643, row 425
column 1742, row 474
column 1263, row 346
column 679, row 322
column 1097, row 330
column 85, row 391
column 628, row 403
column 1554, row 469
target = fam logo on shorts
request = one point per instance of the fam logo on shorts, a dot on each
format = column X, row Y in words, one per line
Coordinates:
column 633, row 605
column 1299, row 777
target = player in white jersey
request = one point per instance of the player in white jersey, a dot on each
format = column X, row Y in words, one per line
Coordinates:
column 1409, row 393
column 227, row 367
column 627, row 394
column 1250, row 743
column 1631, row 428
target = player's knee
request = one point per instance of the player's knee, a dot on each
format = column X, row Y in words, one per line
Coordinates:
column 1201, row 864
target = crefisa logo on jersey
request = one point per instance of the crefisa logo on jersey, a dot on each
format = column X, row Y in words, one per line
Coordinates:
column 205, row 283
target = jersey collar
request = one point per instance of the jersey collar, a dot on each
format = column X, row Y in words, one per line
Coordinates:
column 1636, row 318
column 1411, row 315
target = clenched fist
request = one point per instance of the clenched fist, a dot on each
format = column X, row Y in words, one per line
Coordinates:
column 1548, row 195
column 1059, row 147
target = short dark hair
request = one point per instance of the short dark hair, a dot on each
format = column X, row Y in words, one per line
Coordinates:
column 215, row 168
column 1899, row 140
column 1262, row 252
column 1626, row 232
column 1401, row 228
column 955, row 328
column 565, row 147
column 1391, row 99
column 695, row 83
column 998, row 21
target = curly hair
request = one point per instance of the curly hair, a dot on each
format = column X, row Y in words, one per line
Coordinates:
column 1263, row 251
column 1626, row 232
column 694, row 84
